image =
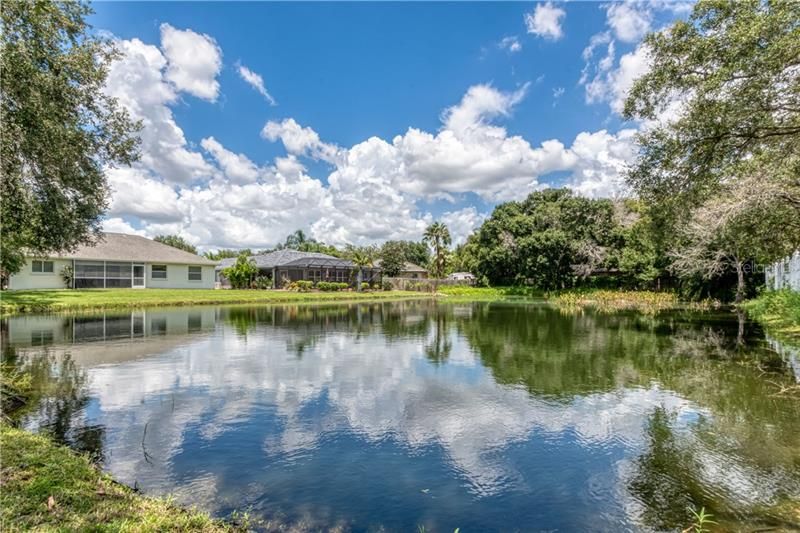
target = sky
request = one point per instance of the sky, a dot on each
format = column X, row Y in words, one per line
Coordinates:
column 364, row 122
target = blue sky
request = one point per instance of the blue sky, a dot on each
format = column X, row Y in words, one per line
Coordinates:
column 371, row 119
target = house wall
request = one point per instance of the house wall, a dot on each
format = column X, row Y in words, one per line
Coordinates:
column 177, row 277
column 26, row 279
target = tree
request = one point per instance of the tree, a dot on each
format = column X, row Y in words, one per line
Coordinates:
column 437, row 236
column 242, row 272
column 176, row 241
column 226, row 253
column 60, row 131
column 741, row 225
column 393, row 258
column 363, row 257
column 295, row 240
column 734, row 73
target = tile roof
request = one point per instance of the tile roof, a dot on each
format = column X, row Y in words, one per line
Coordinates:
column 288, row 257
column 124, row 247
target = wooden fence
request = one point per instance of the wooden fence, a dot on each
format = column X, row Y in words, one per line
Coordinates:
column 784, row 274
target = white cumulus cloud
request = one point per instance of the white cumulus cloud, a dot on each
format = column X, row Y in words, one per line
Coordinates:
column 194, row 61
column 545, row 21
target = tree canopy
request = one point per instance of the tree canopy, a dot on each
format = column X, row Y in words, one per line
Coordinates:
column 394, row 255
column 719, row 160
column 176, row 241
column 554, row 239
column 60, row 130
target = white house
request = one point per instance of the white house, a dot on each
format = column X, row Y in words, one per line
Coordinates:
column 466, row 277
column 117, row 260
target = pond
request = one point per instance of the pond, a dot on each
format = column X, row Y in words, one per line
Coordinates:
column 499, row 416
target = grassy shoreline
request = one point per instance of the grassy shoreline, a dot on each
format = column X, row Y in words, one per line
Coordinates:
column 778, row 312
column 49, row 301
column 44, row 301
column 48, row 487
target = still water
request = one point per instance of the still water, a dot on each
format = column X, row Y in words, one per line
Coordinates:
column 481, row 416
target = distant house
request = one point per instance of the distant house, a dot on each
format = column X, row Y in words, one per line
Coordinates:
column 293, row 265
column 410, row 270
column 117, row 260
column 462, row 276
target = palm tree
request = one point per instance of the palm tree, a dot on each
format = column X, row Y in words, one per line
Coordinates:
column 295, row 240
column 437, row 236
column 362, row 257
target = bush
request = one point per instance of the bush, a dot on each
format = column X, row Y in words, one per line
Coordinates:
column 304, row 285
column 262, row 282
column 241, row 273
column 329, row 286
column 386, row 285
column 364, row 286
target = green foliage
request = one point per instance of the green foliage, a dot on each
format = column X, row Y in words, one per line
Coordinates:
column 304, row 285
column 554, row 240
column 329, row 286
column 778, row 311
column 301, row 242
column 67, row 274
column 176, row 241
column 437, row 236
column 364, row 286
column 386, row 286
column 722, row 177
column 60, row 130
column 701, row 520
column 394, row 254
column 262, row 282
column 242, row 273
column 218, row 255
column 393, row 258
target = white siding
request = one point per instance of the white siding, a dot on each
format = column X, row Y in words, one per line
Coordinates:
column 178, row 278
column 26, row 279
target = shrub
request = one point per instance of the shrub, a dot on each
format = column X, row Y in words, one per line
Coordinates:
column 241, row 273
column 364, row 286
column 67, row 275
column 304, row 285
column 386, row 285
column 262, row 282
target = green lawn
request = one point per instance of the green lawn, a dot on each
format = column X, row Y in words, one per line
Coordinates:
column 47, row 487
column 73, row 300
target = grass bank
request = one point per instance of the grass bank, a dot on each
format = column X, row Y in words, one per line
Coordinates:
column 47, row 487
column 454, row 292
column 778, row 312
column 75, row 300
column 602, row 299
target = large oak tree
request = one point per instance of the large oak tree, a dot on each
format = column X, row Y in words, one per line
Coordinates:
column 60, row 131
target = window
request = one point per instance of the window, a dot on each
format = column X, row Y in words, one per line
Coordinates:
column 195, row 273
column 42, row 267
column 159, row 272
